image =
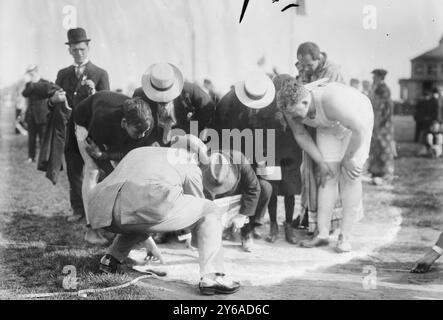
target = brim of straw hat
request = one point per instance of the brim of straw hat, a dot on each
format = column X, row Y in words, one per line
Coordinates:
column 263, row 102
column 162, row 96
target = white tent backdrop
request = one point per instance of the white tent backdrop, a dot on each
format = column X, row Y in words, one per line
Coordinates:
column 205, row 39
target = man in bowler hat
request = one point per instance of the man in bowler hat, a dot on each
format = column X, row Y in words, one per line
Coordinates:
column 78, row 81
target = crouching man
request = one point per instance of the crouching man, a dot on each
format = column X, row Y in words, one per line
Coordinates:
column 156, row 189
column 108, row 125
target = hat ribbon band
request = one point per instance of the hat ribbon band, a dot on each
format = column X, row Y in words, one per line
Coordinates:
column 254, row 96
column 161, row 89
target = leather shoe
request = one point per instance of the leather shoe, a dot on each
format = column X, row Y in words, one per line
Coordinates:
column 218, row 285
column 95, row 237
column 74, row 218
column 108, row 264
column 316, row 242
column 289, row 234
column 256, row 234
column 273, row 232
column 247, row 243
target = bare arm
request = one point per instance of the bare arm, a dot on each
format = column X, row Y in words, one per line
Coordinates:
column 304, row 139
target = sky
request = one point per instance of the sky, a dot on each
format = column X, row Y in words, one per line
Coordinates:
column 205, row 39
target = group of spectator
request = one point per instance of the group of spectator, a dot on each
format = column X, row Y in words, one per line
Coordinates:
column 316, row 118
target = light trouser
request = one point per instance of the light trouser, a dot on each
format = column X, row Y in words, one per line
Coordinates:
column 206, row 224
column 350, row 192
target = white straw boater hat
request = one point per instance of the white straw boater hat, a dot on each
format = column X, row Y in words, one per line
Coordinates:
column 162, row 82
column 256, row 91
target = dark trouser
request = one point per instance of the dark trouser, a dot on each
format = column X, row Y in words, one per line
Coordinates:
column 289, row 208
column 263, row 201
column 74, row 164
column 439, row 242
column 34, row 130
column 420, row 128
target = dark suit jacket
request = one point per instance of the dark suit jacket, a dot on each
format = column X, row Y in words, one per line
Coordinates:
column 193, row 104
column 37, row 111
column 75, row 92
column 248, row 186
column 232, row 114
column 101, row 114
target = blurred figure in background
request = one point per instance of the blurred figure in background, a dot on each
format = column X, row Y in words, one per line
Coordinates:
column 37, row 110
column 20, row 103
column 381, row 163
column 355, row 83
column 366, row 87
column 433, row 141
column 426, row 111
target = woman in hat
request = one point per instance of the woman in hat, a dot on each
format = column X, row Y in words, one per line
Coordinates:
column 381, row 162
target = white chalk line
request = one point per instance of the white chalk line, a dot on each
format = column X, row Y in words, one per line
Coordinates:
column 332, row 277
column 84, row 293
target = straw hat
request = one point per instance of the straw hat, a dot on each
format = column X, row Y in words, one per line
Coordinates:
column 256, row 91
column 162, row 82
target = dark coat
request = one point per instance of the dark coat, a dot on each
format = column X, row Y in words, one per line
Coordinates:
column 76, row 92
column 248, row 186
column 193, row 104
column 50, row 158
column 427, row 110
column 60, row 127
column 288, row 154
column 232, row 114
column 101, row 114
column 37, row 111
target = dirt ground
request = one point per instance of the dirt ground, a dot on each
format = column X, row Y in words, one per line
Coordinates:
column 36, row 241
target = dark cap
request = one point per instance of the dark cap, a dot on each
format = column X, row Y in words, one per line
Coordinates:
column 77, row 35
column 380, row 72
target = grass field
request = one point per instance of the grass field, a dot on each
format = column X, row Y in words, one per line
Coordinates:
column 36, row 242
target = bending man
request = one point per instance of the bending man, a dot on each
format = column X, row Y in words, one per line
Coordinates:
column 344, row 119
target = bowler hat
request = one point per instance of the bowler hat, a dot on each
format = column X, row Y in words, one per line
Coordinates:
column 380, row 72
column 77, row 35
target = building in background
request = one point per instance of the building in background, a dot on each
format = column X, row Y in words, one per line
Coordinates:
column 426, row 74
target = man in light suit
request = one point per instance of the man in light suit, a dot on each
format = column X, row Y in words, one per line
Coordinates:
column 78, row 81
column 167, row 195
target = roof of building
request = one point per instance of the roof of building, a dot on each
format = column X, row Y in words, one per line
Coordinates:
column 436, row 53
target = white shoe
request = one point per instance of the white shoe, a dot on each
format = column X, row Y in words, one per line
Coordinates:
column 343, row 245
column 218, row 283
column 95, row 237
column 247, row 243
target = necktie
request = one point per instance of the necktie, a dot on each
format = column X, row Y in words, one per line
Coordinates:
column 167, row 122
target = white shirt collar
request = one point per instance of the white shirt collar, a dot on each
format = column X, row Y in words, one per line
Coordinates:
column 81, row 65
